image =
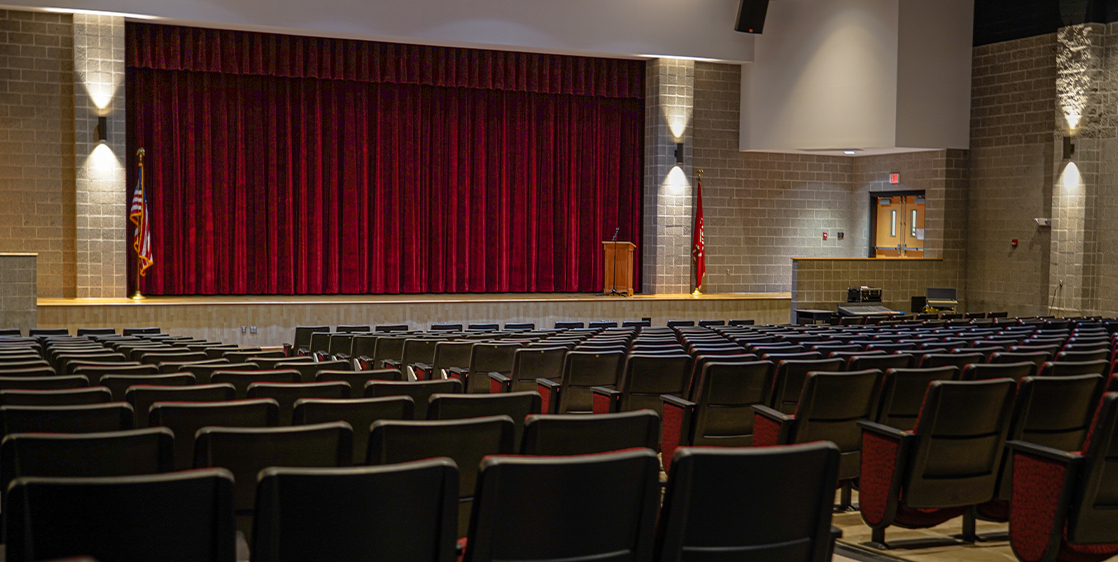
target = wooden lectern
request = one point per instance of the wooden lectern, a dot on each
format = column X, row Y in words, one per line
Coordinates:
column 619, row 266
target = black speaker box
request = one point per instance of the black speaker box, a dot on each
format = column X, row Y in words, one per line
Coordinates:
column 751, row 16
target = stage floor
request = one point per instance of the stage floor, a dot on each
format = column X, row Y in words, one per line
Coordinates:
column 221, row 318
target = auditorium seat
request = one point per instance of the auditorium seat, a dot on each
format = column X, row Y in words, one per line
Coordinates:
column 241, row 379
column 142, row 397
column 239, row 356
column 285, row 394
column 66, row 397
column 788, row 490
column 43, row 382
column 777, row 357
column 960, row 360
column 569, row 325
column 519, row 326
column 644, row 379
column 359, row 413
column 302, row 342
column 406, row 511
column 880, row 362
column 354, row 328
column 484, row 358
column 35, row 332
column 1080, row 356
column 357, row 380
column 529, row 364
column 157, row 357
column 1070, row 368
column 119, row 384
column 179, row 366
column 308, row 370
column 416, row 351
column 385, row 347
column 582, row 370
column 516, row 405
column 1064, row 505
column 86, row 418
column 320, row 343
column 270, row 363
column 829, row 409
column 565, row 434
column 607, row 505
column 184, row 419
column 391, row 327
column 1037, row 357
column 179, row 516
column 204, row 372
column 446, row 327
column 245, row 451
column 987, row 371
column 138, row 331
column 949, row 462
column 419, row 391
column 466, row 442
column 789, row 380
column 902, row 394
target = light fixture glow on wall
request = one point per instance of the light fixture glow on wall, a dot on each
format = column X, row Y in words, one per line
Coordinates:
column 101, row 133
column 678, row 154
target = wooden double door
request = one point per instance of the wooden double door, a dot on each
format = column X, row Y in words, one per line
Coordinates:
column 899, row 229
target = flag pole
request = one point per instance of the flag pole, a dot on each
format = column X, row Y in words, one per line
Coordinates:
column 138, row 294
column 694, row 264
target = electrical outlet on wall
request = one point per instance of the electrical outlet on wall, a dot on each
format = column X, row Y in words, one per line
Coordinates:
column 244, row 329
column 252, row 330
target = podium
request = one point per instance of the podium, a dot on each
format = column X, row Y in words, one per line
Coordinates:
column 619, row 266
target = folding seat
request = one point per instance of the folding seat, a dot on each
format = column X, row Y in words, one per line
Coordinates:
column 516, row 405
column 118, row 385
column 582, row 370
column 1103, row 354
column 948, row 463
column 354, row 328
column 241, row 379
column 391, row 327
column 535, row 493
column 789, row 380
column 718, row 411
column 416, row 351
column 358, row 379
column 529, row 364
column 270, row 363
column 242, row 356
column 359, row 413
column 564, row 434
column 168, row 517
column 115, row 453
column 644, row 379
column 34, row 332
column 880, row 362
column 959, row 360
column 988, row 371
column 383, row 349
column 761, row 349
column 711, row 323
column 320, row 343
column 699, row 520
column 217, row 351
column 1036, row 357
column 1070, row 368
column 308, row 370
column 245, row 451
column 184, row 419
column 831, row 406
column 1063, row 504
column 826, row 350
column 86, row 418
column 419, row 391
column 66, row 363
column 846, row 355
column 484, row 358
column 178, row 366
column 405, row 511
column 1053, row 412
column 446, row 327
column 902, row 394
column 891, row 347
column 466, row 442
column 796, row 356
column 142, row 397
column 138, row 331
column 66, row 397
column 519, row 326
column 569, row 325
column 6, row 332
column 179, row 355
column 1088, row 347
column 95, row 372
column 42, row 383
column 286, row 394
column 203, row 372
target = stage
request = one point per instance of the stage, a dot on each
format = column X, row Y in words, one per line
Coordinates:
column 222, row 318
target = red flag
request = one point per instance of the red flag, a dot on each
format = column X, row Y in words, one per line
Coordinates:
column 138, row 214
column 698, row 245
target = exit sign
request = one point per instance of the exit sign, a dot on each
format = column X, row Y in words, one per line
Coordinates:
column 894, row 178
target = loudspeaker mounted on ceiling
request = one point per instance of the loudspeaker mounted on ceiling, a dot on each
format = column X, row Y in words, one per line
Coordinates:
column 751, row 16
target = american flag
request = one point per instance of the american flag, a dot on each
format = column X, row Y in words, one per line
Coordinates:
column 139, row 214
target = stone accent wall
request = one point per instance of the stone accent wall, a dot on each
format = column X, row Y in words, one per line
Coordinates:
column 666, row 249
column 18, row 273
column 101, row 183
column 37, row 145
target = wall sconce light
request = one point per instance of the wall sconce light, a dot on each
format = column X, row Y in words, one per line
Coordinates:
column 679, row 154
column 101, row 133
column 1069, row 148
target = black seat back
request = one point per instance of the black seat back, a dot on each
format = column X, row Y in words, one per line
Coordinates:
column 647, row 377
column 359, row 413
column 989, row 371
column 285, row 394
column 551, row 434
column 531, row 363
column 466, row 442
column 65, row 397
column 419, row 391
column 902, row 394
column 880, row 362
column 830, row 409
column 95, row 372
column 241, row 379
column 789, row 491
column 727, row 392
column 118, row 385
column 960, row 360
column 43, row 382
column 142, row 397
column 488, row 358
column 89, row 418
column 303, row 336
column 583, row 370
column 1072, row 368
column 308, row 370
column 184, row 419
column 961, row 430
column 400, row 512
column 1093, row 513
column 178, row 516
column 790, row 377
column 516, row 405
column 535, row 493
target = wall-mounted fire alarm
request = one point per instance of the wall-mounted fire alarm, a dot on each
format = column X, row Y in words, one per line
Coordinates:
column 1013, row 243
column 824, row 235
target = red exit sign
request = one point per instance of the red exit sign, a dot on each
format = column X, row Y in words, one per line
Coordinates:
column 894, row 178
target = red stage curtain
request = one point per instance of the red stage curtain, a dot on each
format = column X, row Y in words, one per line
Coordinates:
column 458, row 171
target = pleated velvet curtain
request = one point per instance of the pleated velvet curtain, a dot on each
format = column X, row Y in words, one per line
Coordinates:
column 292, row 165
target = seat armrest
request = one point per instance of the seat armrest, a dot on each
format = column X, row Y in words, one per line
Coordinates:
column 549, row 392
column 606, row 400
column 772, row 414
column 499, row 383
column 885, row 454
column 364, row 363
column 288, row 349
column 883, row 430
column 675, row 427
column 1044, row 480
column 458, row 373
column 771, row 427
column 676, row 401
column 392, row 363
column 1047, row 453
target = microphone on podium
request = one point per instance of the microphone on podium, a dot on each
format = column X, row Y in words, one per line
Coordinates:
column 615, row 234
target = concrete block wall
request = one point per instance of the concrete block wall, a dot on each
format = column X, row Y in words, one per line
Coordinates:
column 821, row 284
column 18, row 273
column 37, row 204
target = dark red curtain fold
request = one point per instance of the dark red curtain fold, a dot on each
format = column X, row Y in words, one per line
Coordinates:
column 325, row 181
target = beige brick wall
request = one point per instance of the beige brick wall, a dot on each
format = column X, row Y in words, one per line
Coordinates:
column 821, row 284
column 17, row 291
column 37, row 145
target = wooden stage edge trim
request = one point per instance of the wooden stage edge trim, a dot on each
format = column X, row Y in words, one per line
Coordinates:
column 440, row 298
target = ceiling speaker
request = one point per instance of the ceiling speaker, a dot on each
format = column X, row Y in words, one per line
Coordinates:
column 751, row 16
